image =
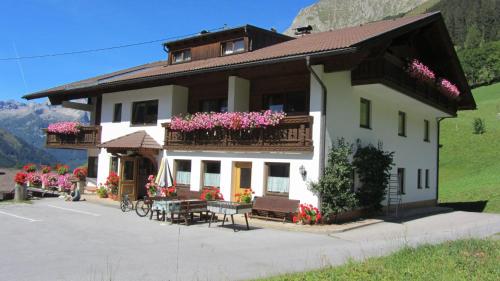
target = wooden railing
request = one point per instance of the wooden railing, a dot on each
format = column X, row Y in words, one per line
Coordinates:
column 89, row 137
column 293, row 133
column 383, row 71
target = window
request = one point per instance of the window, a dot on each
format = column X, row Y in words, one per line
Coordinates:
column 419, row 179
column 365, row 113
column 401, row 180
column 233, row 47
column 92, row 167
column 211, row 173
column 183, row 172
column 402, row 124
column 278, row 178
column 427, row 179
column 117, row 113
column 145, row 112
column 294, row 103
column 113, row 164
column 128, row 170
column 181, row 56
column 213, row 105
column 426, row 130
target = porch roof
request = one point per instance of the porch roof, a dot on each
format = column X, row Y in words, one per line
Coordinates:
column 134, row 141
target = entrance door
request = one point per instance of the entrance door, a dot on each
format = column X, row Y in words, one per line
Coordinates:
column 128, row 177
column 145, row 169
column 242, row 178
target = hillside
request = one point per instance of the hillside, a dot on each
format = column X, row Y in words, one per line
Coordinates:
column 470, row 164
column 16, row 152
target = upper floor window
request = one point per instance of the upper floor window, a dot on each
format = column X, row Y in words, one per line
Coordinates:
column 213, row 105
column 232, row 47
column 365, row 113
column 402, row 124
column 145, row 112
column 117, row 113
column 426, row 130
column 181, row 56
column 294, row 103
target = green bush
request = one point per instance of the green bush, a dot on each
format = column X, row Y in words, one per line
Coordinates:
column 335, row 187
column 479, row 126
column 373, row 166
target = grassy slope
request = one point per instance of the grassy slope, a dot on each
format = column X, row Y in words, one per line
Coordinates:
column 470, row 164
column 459, row 260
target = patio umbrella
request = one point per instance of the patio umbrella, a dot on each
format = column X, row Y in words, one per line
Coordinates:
column 160, row 177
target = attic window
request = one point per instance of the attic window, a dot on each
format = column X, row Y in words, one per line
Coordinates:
column 233, row 47
column 181, row 56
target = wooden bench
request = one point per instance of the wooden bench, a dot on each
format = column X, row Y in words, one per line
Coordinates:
column 275, row 208
column 187, row 209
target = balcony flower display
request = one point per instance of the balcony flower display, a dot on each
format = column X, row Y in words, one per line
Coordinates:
column 35, row 179
column 448, row 88
column 29, row 168
column 227, row 120
column 307, row 214
column 65, row 128
column 211, row 193
column 420, row 71
column 80, row 173
column 245, row 197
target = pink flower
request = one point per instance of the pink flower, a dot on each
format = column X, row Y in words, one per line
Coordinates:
column 65, row 128
column 449, row 88
column 420, row 71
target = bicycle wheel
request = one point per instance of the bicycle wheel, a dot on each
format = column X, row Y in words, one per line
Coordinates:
column 123, row 206
column 141, row 208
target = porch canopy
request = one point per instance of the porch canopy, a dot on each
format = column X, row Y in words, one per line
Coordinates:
column 139, row 141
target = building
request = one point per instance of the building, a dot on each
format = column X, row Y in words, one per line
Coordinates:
column 348, row 83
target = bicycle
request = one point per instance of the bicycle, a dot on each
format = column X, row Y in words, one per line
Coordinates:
column 126, row 204
column 143, row 207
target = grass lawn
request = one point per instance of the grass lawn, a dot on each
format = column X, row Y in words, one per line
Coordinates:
column 459, row 260
column 470, row 164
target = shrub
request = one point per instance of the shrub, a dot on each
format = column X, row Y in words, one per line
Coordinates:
column 373, row 166
column 479, row 126
column 335, row 187
column 102, row 191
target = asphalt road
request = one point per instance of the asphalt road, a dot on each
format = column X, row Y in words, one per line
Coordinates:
column 56, row 240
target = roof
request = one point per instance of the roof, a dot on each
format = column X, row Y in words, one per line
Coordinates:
column 136, row 140
column 309, row 44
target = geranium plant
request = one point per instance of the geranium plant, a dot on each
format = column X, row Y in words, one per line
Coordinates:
column 50, row 179
column 226, row 120
column 20, row 178
column 29, row 168
column 449, row 88
column 65, row 128
column 35, row 179
column 152, row 186
column 46, row 169
column 61, row 169
column 245, row 197
column 420, row 71
column 170, row 191
column 80, row 173
column 308, row 214
column 64, row 182
column 112, row 182
column 211, row 193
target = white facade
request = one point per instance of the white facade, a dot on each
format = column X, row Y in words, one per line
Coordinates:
column 342, row 120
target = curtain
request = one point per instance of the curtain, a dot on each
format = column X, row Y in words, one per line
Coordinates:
column 211, row 179
column 183, row 177
column 278, row 184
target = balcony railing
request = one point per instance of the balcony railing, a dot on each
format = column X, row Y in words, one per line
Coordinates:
column 394, row 76
column 89, row 137
column 293, row 133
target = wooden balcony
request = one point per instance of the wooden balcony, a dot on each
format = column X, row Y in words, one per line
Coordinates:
column 393, row 75
column 89, row 137
column 293, row 133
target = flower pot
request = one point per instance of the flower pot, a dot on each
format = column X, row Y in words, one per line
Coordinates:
column 81, row 186
column 20, row 192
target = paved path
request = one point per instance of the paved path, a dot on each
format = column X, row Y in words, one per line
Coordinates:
column 55, row 240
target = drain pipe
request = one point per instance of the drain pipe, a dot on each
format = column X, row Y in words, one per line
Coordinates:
column 438, row 147
column 323, row 117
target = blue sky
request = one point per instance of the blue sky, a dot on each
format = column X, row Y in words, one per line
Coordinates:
column 39, row 27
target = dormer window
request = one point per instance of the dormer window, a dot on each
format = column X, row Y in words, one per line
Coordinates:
column 233, row 47
column 181, row 56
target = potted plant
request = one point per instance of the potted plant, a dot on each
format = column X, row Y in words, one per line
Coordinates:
column 20, row 189
column 211, row 194
column 307, row 215
column 112, row 183
column 102, row 191
column 61, row 169
column 49, row 180
column 64, row 183
column 245, row 197
column 45, row 170
column 170, row 191
column 81, row 174
column 28, row 169
column 35, row 179
column 152, row 187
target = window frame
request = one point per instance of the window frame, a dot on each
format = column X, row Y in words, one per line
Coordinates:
column 220, row 102
column 426, row 130
column 427, row 178
column 402, row 180
column 92, row 170
column 286, row 106
column 183, row 54
column 419, row 178
column 368, row 103
column 266, row 175
column 134, row 104
column 402, row 114
column 232, row 41
column 203, row 167
column 111, row 159
column 116, row 111
column 176, row 161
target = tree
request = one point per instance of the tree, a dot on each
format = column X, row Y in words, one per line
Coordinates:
column 335, row 187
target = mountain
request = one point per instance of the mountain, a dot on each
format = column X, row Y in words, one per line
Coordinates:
column 14, row 152
column 26, row 120
column 334, row 14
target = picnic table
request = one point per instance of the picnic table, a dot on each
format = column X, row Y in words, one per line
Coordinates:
column 229, row 208
column 185, row 208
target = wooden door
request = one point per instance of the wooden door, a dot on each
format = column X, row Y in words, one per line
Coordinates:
column 128, row 177
column 242, row 178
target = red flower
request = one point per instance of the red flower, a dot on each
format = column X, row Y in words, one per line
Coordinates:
column 20, row 178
